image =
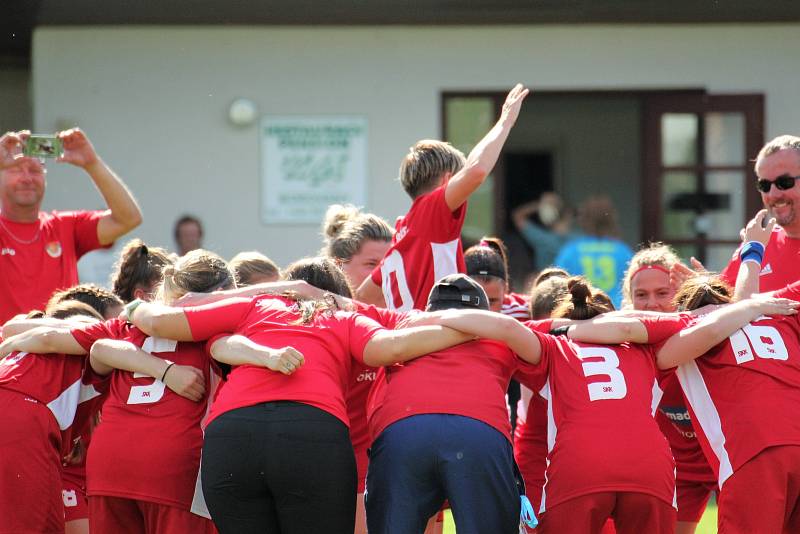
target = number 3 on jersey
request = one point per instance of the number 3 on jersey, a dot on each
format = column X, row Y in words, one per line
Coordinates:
column 153, row 391
column 607, row 365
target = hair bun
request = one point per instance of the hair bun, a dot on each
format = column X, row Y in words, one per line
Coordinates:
column 336, row 217
column 579, row 290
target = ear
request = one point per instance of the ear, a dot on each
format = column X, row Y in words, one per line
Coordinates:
column 141, row 294
column 446, row 178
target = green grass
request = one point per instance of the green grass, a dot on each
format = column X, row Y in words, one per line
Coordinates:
column 708, row 524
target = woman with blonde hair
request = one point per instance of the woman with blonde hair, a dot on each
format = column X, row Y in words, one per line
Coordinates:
column 648, row 285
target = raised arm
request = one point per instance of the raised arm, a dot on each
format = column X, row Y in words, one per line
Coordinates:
column 124, row 214
column 239, row 350
column 755, row 237
column 718, row 325
column 482, row 158
column 388, row 347
column 109, row 354
column 42, row 340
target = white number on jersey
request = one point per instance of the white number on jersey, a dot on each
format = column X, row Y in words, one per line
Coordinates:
column 393, row 265
column 153, row 391
column 763, row 341
column 615, row 387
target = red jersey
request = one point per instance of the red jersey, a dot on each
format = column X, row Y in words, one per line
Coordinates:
column 779, row 268
column 741, row 391
column 517, row 306
column 470, row 379
column 38, row 258
column 601, row 431
column 148, row 444
column 61, row 382
column 328, row 342
column 675, row 422
column 426, row 246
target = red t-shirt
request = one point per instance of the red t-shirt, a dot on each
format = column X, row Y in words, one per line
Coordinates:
column 328, row 342
column 779, row 267
column 148, row 444
column 63, row 383
column 517, row 306
column 470, row 379
column 675, row 422
column 426, row 247
column 362, row 380
column 601, row 431
column 741, row 392
column 530, row 434
column 31, row 272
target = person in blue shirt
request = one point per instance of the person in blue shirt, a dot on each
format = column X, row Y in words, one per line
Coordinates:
column 598, row 254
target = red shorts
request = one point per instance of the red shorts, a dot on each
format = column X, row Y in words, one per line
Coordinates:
column 73, row 493
column 129, row 516
column 30, row 466
column 692, row 498
column 763, row 495
column 633, row 513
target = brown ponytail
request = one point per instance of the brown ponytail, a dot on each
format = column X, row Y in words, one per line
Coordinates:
column 582, row 300
column 139, row 267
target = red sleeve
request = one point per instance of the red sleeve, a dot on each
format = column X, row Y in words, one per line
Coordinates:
column 85, row 229
column 87, row 335
column 542, row 326
column 361, row 330
column 218, row 317
column 387, row 318
column 432, row 216
column 792, row 291
column 663, row 327
column 534, row 376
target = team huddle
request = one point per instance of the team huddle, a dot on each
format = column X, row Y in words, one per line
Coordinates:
column 364, row 389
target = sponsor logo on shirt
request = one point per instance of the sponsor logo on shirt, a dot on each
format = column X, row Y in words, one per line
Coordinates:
column 767, row 269
column 680, row 419
column 70, row 498
column 8, row 251
column 53, row 249
column 366, row 376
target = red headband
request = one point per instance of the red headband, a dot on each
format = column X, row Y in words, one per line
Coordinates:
column 647, row 268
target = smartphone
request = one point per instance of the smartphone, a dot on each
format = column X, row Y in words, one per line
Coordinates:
column 43, row 146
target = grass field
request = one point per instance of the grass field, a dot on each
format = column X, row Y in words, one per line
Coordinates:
column 708, row 525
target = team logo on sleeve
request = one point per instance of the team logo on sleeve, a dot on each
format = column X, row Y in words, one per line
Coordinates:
column 53, row 249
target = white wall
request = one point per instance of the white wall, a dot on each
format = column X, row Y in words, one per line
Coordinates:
column 154, row 99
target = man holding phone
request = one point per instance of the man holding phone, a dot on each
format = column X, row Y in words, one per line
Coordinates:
column 39, row 251
column 778, row 170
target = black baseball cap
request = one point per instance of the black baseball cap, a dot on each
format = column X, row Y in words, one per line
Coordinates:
column 457, row 291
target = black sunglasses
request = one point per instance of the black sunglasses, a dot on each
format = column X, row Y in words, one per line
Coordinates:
column 781, row 182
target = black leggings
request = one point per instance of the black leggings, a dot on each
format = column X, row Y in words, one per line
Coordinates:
column 279, row 467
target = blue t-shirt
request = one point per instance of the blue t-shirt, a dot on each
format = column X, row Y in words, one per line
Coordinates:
column 600, row 259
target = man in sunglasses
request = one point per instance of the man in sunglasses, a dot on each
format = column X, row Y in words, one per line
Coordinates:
column 778, row 170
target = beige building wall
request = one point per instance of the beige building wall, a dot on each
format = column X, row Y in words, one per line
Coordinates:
column 15, row 113
column 155, row 99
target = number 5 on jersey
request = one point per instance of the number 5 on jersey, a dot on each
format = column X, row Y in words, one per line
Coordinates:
column 607, row 365
column 153, row 391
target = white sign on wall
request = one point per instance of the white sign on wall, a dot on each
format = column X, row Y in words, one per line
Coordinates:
column 310, row 162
